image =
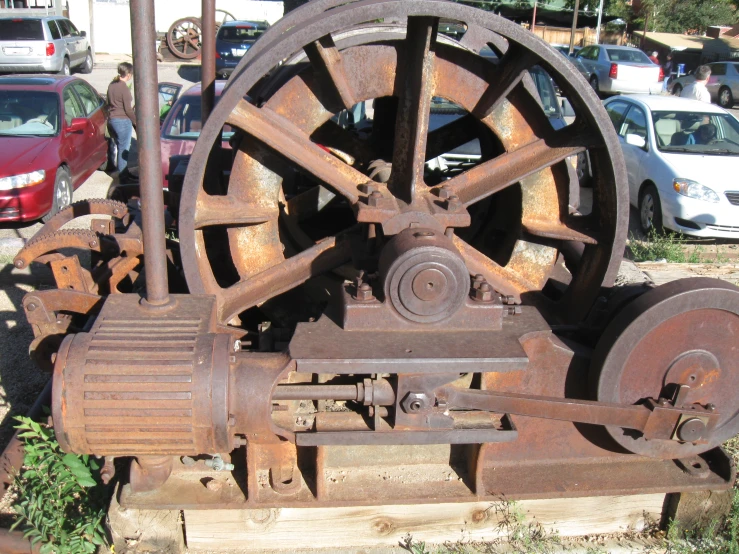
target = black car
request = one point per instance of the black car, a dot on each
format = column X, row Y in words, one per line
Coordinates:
column 233, row 40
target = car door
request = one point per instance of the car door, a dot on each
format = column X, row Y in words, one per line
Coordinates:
column 93, row 107
column 716, row 80
column 72, row 39
column 732, row 70
column 73, row 143
column 636, row 157
column 583, row 56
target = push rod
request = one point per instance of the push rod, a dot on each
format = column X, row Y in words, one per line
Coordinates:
column 143, row 35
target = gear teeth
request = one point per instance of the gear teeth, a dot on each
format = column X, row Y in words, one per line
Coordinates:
column 40, row 245
column 91, row 206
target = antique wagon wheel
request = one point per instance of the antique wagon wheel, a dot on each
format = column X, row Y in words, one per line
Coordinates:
column 183, row 38
column 509, row 212
column 222, row 16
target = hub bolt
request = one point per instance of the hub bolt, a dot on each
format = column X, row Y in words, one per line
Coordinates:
column 374, row 198
column 364, row 293
column 453, row 203
column 483, row 293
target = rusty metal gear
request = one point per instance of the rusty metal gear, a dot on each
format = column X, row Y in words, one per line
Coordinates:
column 680, row 334
column 413, row 68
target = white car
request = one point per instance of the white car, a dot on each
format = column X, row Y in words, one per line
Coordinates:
column 682, row 158
column 620, row 69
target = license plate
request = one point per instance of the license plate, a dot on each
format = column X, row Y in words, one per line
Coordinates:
column 238, row 51
column 16, row 51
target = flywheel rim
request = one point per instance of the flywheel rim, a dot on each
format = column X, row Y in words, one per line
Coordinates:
column 599, row 265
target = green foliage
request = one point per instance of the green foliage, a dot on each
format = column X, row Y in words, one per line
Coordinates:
column 60, row 505
column 683, row 16
column 658, row 246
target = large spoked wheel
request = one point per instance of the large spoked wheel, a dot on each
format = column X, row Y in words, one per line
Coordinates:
column 183, row 38
column 682, row 333
column 300, row 183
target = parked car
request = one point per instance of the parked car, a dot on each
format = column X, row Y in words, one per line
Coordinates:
column 52, row 136
column 565, row 49
column 182, row 125
column 723, row 84
column 682, row 157
column 233, row 40
column 621, row 69
column 49, row 44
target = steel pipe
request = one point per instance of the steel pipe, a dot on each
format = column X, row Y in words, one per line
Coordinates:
column 208, row 58
column 143, row 37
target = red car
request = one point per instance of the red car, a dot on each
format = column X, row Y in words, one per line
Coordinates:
column 182, row 124
column 52, row 138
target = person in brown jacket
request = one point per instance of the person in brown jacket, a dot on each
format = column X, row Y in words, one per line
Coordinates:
column 121, row 121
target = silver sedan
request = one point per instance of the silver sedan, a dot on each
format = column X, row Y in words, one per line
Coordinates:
column 621, row 69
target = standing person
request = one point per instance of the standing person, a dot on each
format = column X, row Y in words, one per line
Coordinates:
column 667, row 70
column 697, row 90
column 122, row 120
column 655, row 57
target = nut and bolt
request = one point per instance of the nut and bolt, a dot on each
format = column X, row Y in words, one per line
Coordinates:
column 453, row 203
column 509, row 299
column 31, row 306
column 445, row 192
column 414, row 402
column 374, row 198
column 478, row 280
column 368, row 188
column 483, row 293
column 364, row 293
column 515, row 310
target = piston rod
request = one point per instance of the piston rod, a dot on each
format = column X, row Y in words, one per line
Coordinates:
column 143, row 35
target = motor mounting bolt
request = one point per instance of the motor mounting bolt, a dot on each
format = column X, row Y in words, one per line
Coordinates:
column 415, row 402
column 477, row 281
column 514, row 310
column 31, row 306
column 445, row 192
column 483, row 293
column 374, row 198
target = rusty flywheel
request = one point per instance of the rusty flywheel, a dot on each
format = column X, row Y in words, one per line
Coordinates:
column 508, row 214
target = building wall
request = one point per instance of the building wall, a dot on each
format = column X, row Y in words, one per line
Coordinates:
column 112, row 23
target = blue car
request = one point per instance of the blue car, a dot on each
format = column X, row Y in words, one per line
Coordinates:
column 233, row 40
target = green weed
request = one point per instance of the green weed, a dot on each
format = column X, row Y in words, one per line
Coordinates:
column 60, row 505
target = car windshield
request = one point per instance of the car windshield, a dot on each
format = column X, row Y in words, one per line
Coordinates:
column 241, row 33
column 185, row 120
column 21, row 29
column 618, row 55
column 696, row 133
column 31, row 113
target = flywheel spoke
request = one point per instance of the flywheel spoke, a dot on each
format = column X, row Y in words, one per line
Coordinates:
column 326, row 255
column 227, row 210
column 509, row 168
column 412, row 123
column 501, row 278
column 290, row 142
column 569, row 230
column 512, row 68
column 329, row 67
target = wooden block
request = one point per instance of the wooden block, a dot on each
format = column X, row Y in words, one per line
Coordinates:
column 367, row 526
column 699, row 509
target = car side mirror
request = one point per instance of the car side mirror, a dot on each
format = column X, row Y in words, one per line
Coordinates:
column 83, row 33
column 77, row 125
column 636, row 140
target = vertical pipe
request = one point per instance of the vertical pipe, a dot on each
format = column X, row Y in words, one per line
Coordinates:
column 208, row 57
column 143, row 39
column 574, row 26
column 600, row 19
column 533, row 18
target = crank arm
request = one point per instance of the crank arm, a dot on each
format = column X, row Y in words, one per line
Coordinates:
column 656, row 419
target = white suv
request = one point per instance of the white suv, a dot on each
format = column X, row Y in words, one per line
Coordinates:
column 49, row 44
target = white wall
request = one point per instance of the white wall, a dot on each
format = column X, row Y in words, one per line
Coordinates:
column 113, row 23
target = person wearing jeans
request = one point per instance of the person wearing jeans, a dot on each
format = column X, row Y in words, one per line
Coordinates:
column 121, row 121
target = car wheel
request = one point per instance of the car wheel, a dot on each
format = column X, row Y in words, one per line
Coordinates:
column 87, row 66
column 725, row 98
column 650, row 210
column 677, row 90
column 65, row 67
column 62, row 193
column 594, row 83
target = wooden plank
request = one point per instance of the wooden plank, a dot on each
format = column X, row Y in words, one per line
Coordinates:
column 289, row 529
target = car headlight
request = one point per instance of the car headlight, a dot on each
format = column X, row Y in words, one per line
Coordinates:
column 693, row 189
column 24, row 180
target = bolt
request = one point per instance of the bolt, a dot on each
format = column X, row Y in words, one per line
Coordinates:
column 368, row 188
column 31, row 306
column 364, row 293
column 514, row 310
column 444, row 193
column 415, row 402
column 483, row 293
column 213, row 485
column 509, row 299
column 374, row 198
column 710, row 407
column 19, row 264
column 216, row 463
column 187, row 461
column 93, row 243
column 478, row 280
column 453, row 203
